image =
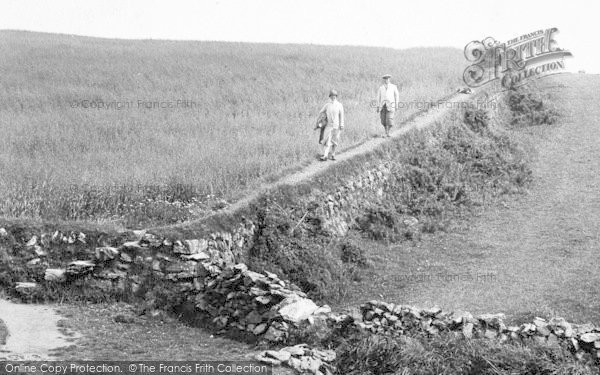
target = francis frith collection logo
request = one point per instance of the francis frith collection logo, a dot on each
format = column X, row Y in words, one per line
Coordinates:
column 514, row 62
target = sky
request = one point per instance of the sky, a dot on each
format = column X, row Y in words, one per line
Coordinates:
column 385, row 23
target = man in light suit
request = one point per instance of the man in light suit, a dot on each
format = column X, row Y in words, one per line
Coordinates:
column 388, row 99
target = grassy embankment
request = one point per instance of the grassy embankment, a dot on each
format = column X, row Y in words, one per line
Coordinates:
column 528, row 115
column 534, row 253
column 490, row 160
column 246, row 112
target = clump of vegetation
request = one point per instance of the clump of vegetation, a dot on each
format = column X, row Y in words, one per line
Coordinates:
column 477, row 119
column 354, row 254
column 528, row 107
column 452, row 168
column 367, row 354
column 383, row 222
column 307, row 258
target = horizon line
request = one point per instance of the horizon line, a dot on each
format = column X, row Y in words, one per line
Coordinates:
column 221, row 41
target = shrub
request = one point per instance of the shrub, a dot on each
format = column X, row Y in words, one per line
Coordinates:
column 476, row 119
column 446, row 170
column 528, row 107
column 351, row 253
column 380, row 223
column 307, row 258
column 385, row 221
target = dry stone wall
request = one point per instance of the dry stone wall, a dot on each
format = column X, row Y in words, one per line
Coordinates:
column 341, row 206
column 205, row 274
column 388, row 318
column 202, row 272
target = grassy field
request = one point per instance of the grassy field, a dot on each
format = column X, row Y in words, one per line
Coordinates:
column 147, row 132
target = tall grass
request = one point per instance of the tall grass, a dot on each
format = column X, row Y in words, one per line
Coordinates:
column 366, row 354
column 245, row 111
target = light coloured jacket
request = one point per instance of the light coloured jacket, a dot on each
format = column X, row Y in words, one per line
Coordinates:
column 335, row 113
column 389, row 96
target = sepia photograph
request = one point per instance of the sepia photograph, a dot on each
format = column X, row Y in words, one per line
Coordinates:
column 299, row 187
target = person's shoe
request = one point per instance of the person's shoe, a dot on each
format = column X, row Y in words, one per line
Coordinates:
column 323, row 158
column 332, row 157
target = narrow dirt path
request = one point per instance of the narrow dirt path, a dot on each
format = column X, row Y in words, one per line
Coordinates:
column 538, row 255
column 421, row 121
column 32, row 331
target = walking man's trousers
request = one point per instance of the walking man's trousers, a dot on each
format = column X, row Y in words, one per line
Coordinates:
column 331, row 138
column 387, row 117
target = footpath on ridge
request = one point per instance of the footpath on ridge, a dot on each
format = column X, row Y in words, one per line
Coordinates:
column 420, row 120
